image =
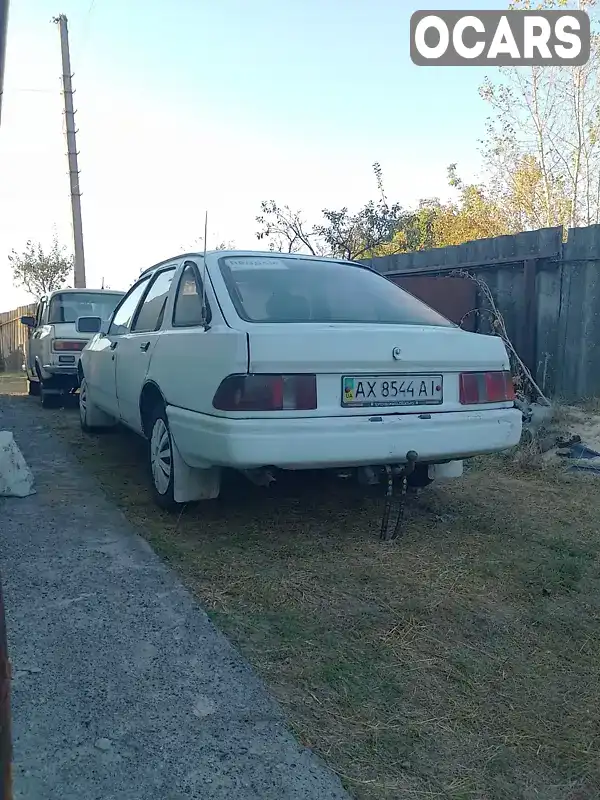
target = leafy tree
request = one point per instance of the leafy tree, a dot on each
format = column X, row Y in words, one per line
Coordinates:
column 473, row 215
column 542, row 145
column 356, row 236
column 541, row 157
column 285, row 231
column 415, row 231
column 341, row 233
column 40, row 272
column 382, row 228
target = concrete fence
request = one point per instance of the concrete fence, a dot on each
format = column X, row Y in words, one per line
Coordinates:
column 13, row 338
column 547, row 289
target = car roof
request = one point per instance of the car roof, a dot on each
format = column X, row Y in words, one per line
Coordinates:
column 86, row 291
column 240, row 253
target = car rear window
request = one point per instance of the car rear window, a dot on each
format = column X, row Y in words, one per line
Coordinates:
column 276, row 289
column 67, row 306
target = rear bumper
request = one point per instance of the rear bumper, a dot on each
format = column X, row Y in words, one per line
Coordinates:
column 324, row 442
column 60, row 378
column 62, row 369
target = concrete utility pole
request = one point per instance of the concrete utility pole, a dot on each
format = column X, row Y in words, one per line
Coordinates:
column 79, row 279
column 3, row 29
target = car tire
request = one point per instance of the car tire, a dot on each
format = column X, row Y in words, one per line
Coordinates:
column 49, row 399
column 84, row 407
column 33, row 388
column 88, row 410
column 160, row 459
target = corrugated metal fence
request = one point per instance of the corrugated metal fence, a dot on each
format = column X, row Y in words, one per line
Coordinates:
column 547, row 289
column 13, row 338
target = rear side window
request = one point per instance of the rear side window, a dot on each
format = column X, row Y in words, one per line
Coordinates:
column 124, row 314
column 150, row 315
column 188, row 303
column 298, row 289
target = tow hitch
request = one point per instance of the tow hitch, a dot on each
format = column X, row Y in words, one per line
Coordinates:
column 393, row 501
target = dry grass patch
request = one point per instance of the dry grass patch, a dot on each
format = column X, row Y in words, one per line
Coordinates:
column 461, row 661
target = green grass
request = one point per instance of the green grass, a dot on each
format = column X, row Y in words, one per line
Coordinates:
column 461, row 661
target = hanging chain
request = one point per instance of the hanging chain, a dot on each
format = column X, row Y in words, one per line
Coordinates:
column 388, row 531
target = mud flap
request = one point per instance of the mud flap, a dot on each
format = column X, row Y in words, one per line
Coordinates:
column 191, row 484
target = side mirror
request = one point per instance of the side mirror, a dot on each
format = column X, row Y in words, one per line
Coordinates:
column 28, row 321
column 104, row 327
column 88, row 324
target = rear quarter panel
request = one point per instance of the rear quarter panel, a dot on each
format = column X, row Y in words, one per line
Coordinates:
column 188, row 364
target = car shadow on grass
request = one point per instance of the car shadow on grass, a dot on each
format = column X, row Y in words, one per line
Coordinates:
column 294, row 502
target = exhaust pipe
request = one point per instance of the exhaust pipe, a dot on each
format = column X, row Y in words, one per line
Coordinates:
column 260, row 476
column 367, row 476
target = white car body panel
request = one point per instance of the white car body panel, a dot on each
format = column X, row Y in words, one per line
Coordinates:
column 204, row 357
column 218, row 352
column 317, row 443
column 334, row 351
column 187, row 365
column 41, row 353
column 132, row 363
column 100, row 372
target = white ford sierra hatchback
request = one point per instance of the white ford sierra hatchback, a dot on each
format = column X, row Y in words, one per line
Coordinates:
column 263, row 362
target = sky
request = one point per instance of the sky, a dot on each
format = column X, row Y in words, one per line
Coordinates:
column 197, row 105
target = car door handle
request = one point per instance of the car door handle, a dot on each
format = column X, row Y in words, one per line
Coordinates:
column 144, row 346
column 113, row 345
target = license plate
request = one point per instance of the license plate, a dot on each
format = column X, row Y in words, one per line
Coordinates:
column 392, row 390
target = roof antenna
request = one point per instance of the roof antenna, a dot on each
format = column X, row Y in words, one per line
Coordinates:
column 204, row 314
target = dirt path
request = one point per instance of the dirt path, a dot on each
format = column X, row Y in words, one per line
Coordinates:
column 122, row 686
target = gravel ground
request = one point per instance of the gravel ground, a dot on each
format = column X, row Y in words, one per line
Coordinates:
column 122, row 686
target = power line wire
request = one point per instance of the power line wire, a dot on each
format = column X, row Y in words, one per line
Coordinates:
column 40, row 91
column 82, row 42
column 85, row 31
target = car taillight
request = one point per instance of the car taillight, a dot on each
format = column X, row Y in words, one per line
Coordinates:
column 267, row 393
column 67, row 344
column 486, row 387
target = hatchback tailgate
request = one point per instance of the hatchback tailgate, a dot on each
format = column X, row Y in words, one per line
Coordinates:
column 416, row 367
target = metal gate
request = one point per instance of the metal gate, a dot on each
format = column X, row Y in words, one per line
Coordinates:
column 451, row 296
